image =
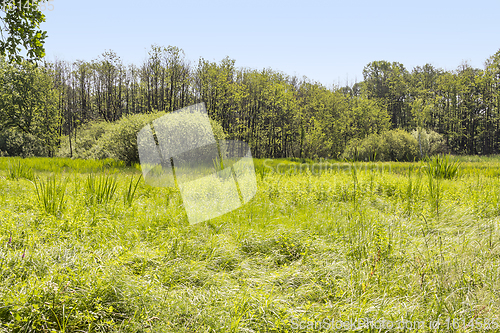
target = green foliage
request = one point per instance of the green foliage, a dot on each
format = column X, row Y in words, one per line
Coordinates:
column 17, row 143
column 50, row 194
column 118, row 140
column 442, row 167
column 279, row 115
column 21, row 23
column 387, row 83
column 87, row 137
column 432, row 142
column 331, row 119
column 394, row 145
column 28, row 105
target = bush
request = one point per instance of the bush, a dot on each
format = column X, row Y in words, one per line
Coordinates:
column 120, row 140
column 395, row 145
column 432, row 142
column 117, row 140
column 16, row 143
column 88, row 137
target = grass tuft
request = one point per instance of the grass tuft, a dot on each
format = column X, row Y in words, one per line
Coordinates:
column 50, row 194
column 129, row 193
column 18, row 169
column 100, row 188
column 442, row 167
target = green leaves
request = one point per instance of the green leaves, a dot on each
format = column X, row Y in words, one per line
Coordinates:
column 28, row 102
column 21, row 27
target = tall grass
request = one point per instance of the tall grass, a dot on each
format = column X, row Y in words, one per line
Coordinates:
column 19, row 169
column 50, row 194
column 442, row 167
column 100, row 188
column 335, row 245
column 131, row 189
column 434, row 192
column 414, row 188
column 59, row 164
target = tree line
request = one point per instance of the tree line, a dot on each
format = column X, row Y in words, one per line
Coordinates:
column 277, row 114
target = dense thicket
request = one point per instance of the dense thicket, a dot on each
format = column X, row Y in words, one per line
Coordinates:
column 277, row 114
column 118, row 140
column 396, row 145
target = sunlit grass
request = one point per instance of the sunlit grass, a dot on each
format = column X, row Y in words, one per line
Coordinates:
column 62, row 164
column 17, row 169
column 360, row 240
column 442, row 167
column 50, row 193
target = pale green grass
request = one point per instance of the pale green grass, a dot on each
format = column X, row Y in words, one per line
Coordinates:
column 360, row 240
column 59, row 164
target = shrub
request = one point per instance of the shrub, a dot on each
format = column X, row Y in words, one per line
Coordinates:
column 432, row 142
column 16, row 143
column 120, row 140
column 117, row 140
column 394, row 145
column 88, row 137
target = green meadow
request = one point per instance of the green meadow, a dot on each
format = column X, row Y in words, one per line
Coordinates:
column 87, row 246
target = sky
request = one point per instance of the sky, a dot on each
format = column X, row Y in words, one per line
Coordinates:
column 327, row 41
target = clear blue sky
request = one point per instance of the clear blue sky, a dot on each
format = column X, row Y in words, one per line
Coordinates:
column 327, row 41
